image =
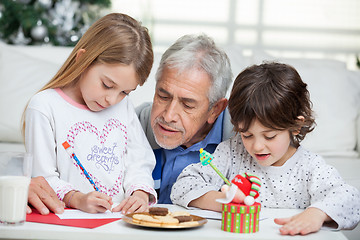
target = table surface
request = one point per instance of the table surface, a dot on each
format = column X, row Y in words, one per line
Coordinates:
column 122, row 230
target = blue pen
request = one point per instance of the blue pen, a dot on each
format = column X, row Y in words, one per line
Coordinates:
column 68, row 149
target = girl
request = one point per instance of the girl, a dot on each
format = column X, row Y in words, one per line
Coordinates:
column 271, row 112
column 85, row 106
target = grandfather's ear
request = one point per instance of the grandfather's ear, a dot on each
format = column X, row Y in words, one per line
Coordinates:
column 216, row 110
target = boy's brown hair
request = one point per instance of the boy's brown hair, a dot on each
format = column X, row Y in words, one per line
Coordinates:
column 274, row 94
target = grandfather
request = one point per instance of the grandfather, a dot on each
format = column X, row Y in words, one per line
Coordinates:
column 188, row 110
column 188, row 113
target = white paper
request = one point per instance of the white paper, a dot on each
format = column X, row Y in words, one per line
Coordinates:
column 216, row 215
column 206, row 214
column 77, row 214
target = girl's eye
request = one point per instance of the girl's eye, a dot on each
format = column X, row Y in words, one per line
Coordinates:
column 125, row 93
column 269, row 138
column 106, row 86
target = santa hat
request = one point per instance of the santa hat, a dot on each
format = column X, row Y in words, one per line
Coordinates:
column 250, row 185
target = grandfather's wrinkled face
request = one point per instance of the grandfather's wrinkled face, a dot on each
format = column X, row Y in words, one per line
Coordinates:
column 180, row 108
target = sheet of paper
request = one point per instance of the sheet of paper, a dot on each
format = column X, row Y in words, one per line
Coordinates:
column 77, row 214
column 216, row 215
column 206, row 214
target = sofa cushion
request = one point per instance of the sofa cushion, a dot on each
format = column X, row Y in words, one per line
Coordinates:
column 23, row 71
column 335, row 94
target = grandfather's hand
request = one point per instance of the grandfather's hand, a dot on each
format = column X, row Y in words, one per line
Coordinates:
column 43, row 198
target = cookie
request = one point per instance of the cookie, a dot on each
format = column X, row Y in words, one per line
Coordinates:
column 160, row 216
column 179, row 213
column 167, row 220
column 158, row 211
column 189, row 224
column 183, row 218
column 145, row 219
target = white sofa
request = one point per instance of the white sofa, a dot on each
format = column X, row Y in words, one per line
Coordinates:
column 335, row 93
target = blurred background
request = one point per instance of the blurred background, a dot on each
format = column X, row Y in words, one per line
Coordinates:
column 320, row 38
column 290, row 28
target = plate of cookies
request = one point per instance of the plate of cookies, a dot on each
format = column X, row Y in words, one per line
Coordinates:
column 160, row 217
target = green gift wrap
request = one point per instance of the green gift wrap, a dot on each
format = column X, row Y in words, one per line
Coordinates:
column 240, row 218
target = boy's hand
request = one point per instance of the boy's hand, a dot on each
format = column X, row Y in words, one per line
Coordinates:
column 92, row 202
column 137, row 202
column 303, row 223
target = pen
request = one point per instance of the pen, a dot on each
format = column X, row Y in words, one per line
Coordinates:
column 69, row 150
column 206, row 158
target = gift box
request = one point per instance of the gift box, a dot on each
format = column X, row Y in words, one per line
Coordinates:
column 240, row 218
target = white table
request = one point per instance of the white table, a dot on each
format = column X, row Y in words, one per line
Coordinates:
column 120, row 230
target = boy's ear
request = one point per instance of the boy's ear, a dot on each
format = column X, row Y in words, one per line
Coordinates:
column 301, row 120
column 79, row 53
column 216, row 110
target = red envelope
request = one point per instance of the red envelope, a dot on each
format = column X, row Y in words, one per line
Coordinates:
column 51, row 218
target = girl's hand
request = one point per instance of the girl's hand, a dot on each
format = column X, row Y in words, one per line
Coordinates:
column 92, row 202
column 304, row 223
column 137, row 202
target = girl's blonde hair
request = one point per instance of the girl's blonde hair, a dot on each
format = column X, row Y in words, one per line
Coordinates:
column 113, row 39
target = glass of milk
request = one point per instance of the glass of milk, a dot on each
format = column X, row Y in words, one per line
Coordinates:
column 15, row 175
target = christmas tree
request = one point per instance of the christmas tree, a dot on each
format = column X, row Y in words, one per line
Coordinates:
column 57, row 22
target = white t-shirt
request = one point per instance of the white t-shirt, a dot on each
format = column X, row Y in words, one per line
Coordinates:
column 110, row 144
column 305, row 180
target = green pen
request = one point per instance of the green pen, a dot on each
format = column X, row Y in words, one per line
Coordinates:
column 206, row 158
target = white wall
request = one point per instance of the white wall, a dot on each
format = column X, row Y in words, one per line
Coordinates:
column 295, row 28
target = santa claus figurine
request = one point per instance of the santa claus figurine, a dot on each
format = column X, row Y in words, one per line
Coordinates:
column 244, row 189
